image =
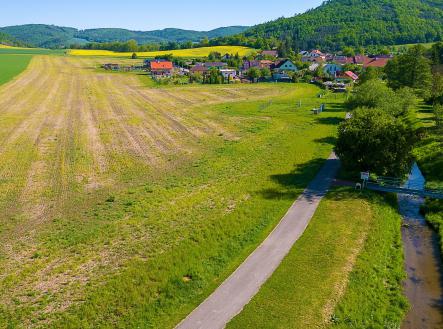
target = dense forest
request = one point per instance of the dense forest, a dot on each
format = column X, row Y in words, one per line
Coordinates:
column 6, row 39
column 339, row 23
column 51, row 36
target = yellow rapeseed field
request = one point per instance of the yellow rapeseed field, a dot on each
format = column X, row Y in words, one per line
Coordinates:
column 5, row 46
column 2, row 46
column 194, row 52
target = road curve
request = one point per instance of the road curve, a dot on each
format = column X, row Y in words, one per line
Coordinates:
column 233, row 294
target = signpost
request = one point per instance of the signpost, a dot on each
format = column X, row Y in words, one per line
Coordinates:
column 364, row 177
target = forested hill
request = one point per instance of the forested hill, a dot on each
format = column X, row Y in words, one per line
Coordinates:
column 339, row 23
column 41, row 35
column 9, row 41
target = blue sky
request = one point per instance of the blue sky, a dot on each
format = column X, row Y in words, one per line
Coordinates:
column 149, row 14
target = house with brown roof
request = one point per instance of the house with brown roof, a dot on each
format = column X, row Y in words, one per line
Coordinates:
column 343, row 60
column 261, row 64
column 361, row 59
column 377, row 62
column 199, row 68
column 270, row 53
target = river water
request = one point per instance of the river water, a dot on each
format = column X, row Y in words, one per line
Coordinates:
column 423, row 262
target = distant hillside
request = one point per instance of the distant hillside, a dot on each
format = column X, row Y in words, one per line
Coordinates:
column 7, row 40
column 55, row 36
column 41, row 35
column 339, row 23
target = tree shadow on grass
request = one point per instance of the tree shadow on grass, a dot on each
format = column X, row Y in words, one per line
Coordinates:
column 329, row 121
column 335, row 107
column 291, row 184
column 327, row 140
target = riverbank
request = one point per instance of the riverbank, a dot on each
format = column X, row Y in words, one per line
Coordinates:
column 352, row 248
column 429, row 155
column 423, row 261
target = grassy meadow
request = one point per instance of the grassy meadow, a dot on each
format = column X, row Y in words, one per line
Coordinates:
column 191, row 53
column 30, row 51
column 124, row 205
column 12, row 65
column 344, row 272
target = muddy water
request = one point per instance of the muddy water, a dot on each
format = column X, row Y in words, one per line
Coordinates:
column 424, row 267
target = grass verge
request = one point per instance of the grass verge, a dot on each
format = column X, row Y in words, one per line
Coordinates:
column 429, row 155
column 305, row 289
column 374, row 296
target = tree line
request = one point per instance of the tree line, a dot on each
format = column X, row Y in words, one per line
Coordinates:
column 382, row 132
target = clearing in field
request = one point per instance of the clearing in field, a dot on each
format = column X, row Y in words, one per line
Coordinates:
column 124, row 206
column 194, row 52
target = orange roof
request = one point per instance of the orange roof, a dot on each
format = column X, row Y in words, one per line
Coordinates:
column 161, row 66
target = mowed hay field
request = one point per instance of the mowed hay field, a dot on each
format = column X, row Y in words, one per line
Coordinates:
column 193, row 52
column 124, row 206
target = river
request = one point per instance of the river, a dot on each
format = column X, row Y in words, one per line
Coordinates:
column 423, row 262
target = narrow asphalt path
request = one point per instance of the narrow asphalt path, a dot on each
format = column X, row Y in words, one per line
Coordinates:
column 234, row 293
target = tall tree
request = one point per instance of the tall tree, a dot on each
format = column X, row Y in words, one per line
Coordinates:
column 372, row 140
column 411, row 69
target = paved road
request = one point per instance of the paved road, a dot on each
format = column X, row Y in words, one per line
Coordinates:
column 233, row 294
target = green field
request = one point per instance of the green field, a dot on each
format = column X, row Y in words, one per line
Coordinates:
column 12, row 65
column 352, row 248
column 125, row 206
column 30, row 51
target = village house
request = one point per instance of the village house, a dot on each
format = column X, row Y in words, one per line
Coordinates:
column 379, row 62
column 228, row 74
column 147, row 62
column 161, row 68
column 112, row 67
column 217, row 65
column 314, row 56
column 270, row 53
column 284, row 65
column 281, row 68
column 332, row 69
column 261, row 64
column 316, row 53
column 343, row 60
column 361, row 59
column 351, row 75
column 313, row 67
column 199, row 68
column 309, row 59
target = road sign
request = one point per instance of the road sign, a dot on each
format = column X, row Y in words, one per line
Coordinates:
column 365, row 176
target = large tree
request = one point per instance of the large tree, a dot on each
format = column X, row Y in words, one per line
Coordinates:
column 376, row 94
column 373, row 140
column 412, row 70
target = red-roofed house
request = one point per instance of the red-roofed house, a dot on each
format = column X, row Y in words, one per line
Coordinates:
column 162, row 68
column 352, row 75
column 377, row 62
column 362, row 59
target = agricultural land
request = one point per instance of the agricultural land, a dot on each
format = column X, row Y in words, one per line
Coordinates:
column 192, row 53
column 124, row 204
